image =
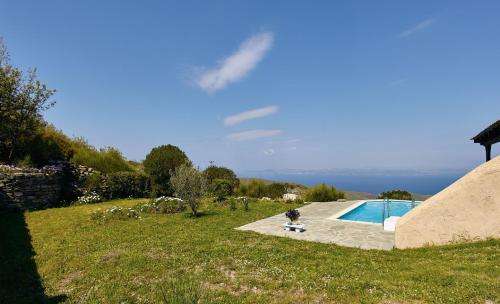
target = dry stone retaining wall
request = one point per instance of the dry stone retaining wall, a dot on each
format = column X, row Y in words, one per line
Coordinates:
column 32, row 188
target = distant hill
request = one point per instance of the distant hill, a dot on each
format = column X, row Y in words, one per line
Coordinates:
column 353, row 195
column 350, row 195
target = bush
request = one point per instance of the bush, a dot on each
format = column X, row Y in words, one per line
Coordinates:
column 106, row 160
column 114, row 213
column 89, row 198
column 232, row 204
column 127, row 184
column 96, row 183
column 253, row 188
column 221, row 181
column 396, row 194
column 322, row 193
column 50, row 144
column 220, row 188
column 275, row 190
column 118, row 185
column 165, row 205
column 159, row 165
column 246, row 202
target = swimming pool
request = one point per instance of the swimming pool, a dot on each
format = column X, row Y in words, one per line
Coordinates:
column 371, row 211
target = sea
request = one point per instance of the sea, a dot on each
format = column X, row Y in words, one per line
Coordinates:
column 428, row 184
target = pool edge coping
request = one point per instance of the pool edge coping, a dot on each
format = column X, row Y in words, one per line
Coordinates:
column 336, row 216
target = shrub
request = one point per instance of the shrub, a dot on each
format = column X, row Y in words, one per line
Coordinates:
column 89, row 198
column 232, row 204
column 221, row 181
column 275, row 190
column 254, row 188
column 165, row 205
column 293, row 214
column 50, row 144
column 322, row 193
column 106, row 160
column 96, row 182
column 220, row 188
column 245, row 202
column 189, row 185
column 118, row 185
column 159, row 165
column 115, row 213
column 127, row 184
column 396, row 194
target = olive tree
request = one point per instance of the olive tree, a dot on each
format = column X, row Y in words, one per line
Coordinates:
column 189, row 185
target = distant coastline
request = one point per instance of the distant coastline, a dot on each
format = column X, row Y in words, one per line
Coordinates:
column 427, row 184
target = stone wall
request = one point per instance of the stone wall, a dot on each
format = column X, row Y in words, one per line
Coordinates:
column 469, row 209
column 32, row 188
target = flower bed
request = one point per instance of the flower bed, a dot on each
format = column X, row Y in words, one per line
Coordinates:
column 115, row 213
column 163, row 204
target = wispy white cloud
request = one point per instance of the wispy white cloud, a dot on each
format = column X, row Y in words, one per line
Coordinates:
column 253, row 134
column 293, row 140
column 269, row 152
column 236, row 66
column 293, row 148
column 253, row 114
column 417, row 28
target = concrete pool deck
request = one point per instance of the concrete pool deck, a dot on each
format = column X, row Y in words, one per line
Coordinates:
column 321, row 226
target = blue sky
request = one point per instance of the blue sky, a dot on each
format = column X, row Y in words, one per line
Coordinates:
column 269, row 84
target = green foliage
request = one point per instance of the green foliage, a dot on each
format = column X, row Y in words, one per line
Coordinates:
column 23, row 100
column 127, row 184
column 275, row 190
column 221, row 181
column 189, row 185
column 257, row 188
column 322, row 193
column 232, row 204
column 396, row 194
column 252, row 188
column 50, row 144
column 246, row 203
column 220, row 188
column 106, row 160
column 118, row 184
column 159, row 165
column 164, row 205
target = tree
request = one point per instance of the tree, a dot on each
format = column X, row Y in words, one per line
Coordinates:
column 160, row 163
column 189, row 185
column 221, row 180
column 396, row 194
column 23, row 98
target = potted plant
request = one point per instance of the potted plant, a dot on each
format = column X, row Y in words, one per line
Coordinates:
column 293, row 215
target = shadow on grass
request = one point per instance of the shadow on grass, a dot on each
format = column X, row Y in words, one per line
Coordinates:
column 19, row 278
column 200, row 214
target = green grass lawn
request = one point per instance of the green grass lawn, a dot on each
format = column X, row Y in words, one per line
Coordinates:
column 61, row 255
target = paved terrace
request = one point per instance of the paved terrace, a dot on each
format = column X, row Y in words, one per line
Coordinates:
column 321, row 228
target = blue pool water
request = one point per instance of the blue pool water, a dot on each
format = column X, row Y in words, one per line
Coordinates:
column 371, row 211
